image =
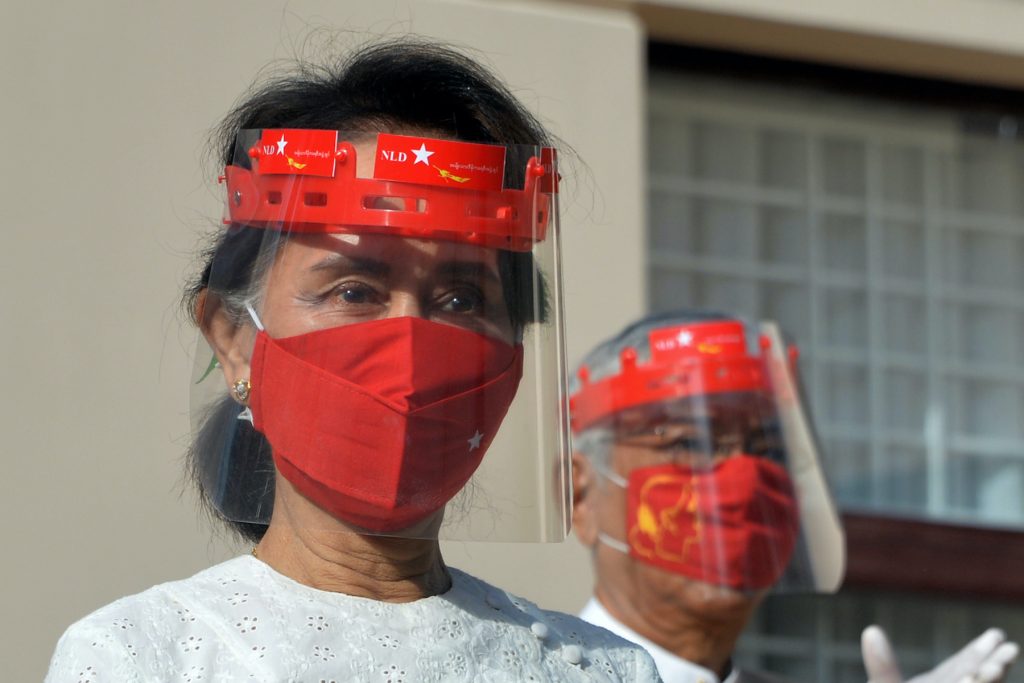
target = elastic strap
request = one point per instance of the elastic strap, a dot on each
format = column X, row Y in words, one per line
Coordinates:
column 612, row 476
column 252, row 314
column 613, row 543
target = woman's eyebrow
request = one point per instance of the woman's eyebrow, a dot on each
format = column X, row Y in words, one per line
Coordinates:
column 351, row 264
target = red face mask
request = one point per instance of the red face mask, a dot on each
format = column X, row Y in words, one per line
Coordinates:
column 734, row 525
column 382, row 423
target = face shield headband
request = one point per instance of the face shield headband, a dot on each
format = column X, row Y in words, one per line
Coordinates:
column 704, row 358
column 420, row 187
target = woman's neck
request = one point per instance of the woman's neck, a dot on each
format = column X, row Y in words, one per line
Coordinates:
column 325, row 555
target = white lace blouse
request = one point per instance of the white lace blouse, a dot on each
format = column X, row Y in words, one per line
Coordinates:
column 242, row 621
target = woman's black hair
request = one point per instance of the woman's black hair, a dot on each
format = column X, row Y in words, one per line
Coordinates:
column 408, row 85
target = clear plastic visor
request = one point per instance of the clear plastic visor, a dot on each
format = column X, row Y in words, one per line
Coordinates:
column 381, row 347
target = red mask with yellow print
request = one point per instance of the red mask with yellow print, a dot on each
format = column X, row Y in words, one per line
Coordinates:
column 733, row 525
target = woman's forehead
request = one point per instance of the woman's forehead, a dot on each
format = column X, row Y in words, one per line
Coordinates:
column 306, row 251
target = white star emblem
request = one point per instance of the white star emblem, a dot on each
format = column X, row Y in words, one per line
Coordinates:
column 474, row 442
column 684, row 338
column 280, row 144
column 422, row 155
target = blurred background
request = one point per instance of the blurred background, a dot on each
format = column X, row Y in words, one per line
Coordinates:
column 850, row 169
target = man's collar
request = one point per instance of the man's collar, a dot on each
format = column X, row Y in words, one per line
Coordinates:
column 671, row 667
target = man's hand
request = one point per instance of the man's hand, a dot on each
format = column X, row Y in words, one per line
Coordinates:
column 986, row 659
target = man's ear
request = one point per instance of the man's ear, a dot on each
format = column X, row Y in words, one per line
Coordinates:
column 231, row 343
column 584, row 514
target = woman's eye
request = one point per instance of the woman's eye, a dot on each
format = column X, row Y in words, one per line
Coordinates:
column 356, row 293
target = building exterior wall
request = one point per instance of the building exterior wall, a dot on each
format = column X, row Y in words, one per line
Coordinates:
column 968, row 40
column 104, row 199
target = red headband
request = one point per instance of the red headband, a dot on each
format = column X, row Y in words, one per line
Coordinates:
column 686, row 360
column 421, row 187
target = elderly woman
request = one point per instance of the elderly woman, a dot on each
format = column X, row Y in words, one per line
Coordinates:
column 382, row 307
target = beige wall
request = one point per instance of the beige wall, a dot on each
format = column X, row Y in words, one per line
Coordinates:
column 105, row 108
column 106, row 105
column 969, row 40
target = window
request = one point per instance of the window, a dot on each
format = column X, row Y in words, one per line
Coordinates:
column 886, row 235
column 887, row 238
column 816, row 638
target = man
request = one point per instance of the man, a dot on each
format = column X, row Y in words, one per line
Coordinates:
column 698, row 489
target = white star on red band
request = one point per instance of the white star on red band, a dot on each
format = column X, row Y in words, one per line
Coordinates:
column 422, row 155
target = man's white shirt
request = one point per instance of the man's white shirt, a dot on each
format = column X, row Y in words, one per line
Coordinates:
column 673, row 669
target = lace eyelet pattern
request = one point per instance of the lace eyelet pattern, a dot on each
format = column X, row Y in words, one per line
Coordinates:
column 241, row 621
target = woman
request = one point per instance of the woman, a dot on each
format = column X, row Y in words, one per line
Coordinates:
column 383, row 309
